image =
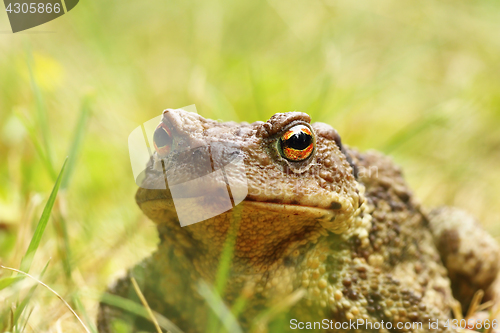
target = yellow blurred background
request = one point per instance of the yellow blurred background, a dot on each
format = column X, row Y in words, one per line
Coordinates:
column 418, row 80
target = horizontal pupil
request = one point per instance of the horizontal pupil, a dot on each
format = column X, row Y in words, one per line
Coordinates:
column 161, row 138
column 298, row 141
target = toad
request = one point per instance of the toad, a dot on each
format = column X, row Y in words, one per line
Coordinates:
column 323, row 236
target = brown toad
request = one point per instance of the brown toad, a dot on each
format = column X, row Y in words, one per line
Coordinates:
column 324, row 233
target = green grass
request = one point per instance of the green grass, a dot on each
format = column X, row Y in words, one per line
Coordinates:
column 42, row 224
column 417, row 80
column 16, row 325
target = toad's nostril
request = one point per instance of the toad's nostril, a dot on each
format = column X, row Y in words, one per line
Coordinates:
column 162, row 139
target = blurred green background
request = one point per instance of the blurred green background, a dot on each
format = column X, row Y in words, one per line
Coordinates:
column 418, row 80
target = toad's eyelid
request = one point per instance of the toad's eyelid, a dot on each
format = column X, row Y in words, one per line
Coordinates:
column 292, row 125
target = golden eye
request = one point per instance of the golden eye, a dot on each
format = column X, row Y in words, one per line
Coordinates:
column 162, row 140
column 297, row 143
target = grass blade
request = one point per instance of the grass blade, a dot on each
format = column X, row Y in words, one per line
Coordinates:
column 220, row 309
column 26, row 320
column 36, row 142
column 59, row 218
column 77, row 141
column 81, row 309
column 64, row 249
column 283, row 305
column 42, row 115
column 224, row 269
column 20, row 308
column 42, row 223
column 145, row 304
column 8, row 281
column 137, row 309
column 226, row 257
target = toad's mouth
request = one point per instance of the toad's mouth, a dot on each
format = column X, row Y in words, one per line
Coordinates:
column 147, row 195
column 294, row 209
column 159, row 205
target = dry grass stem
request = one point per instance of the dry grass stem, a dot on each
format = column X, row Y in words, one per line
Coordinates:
column 145, row 304
column 52, row 291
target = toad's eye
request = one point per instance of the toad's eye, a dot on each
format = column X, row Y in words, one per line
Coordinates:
column 297, row 143
column 162, row 140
